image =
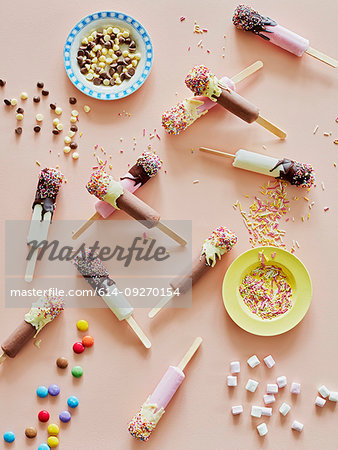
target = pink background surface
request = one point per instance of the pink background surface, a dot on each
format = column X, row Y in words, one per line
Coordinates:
column 119, row 374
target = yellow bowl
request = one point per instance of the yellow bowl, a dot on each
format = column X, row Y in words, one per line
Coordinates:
column 297, row 276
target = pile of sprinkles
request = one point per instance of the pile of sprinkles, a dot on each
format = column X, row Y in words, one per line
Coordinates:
column 262, row 220
column 150, row 163
column 177, row 119
column 266, row 292
column 98, row 184
column 198, row 79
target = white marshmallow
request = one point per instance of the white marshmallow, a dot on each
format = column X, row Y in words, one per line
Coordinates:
column 284, row 409
column 237, row 410
column 231, row 381
column 253, row 361
column 297, row 426
column 272, row 388
column 256, row 411
column 268, row 399
column 266, row 411
column 324, row 392
column 282, row 381
column 333, row 397
column 251, row 385
column 235, row 367
column 320, row 401
column 295, row 388
column 269, row 361
column 262, row 429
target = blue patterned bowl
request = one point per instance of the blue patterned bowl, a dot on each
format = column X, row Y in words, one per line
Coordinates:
column 102, row 20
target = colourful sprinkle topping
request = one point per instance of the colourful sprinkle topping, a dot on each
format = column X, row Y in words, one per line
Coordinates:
column 52, row 307
column 150, row 163
column 98, row 184
column 198, row 79
column 141, row 428
column 266, row 292
column 247, row 19
column 49, row 184
column 177, row 119
column 222, row 238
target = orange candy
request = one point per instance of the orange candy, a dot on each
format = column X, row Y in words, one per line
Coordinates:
column 88, row 341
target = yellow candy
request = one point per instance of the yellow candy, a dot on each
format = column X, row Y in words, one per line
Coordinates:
column 53, row 441
column 82, row 325
column 53, row 429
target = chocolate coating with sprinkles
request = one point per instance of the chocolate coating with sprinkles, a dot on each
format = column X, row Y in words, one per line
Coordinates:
column 296, row 173
column 48, row 187
column 247, row 19
column 147, row 166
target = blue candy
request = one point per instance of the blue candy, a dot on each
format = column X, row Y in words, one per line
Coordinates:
column 73, row 401
column 9, row 436
column 43, row 447
column 42, row 391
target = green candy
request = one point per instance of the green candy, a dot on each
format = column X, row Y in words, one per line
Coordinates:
column 77, row 371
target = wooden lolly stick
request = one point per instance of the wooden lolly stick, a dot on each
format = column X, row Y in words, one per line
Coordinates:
column 271, row 127
column 171, row 234
column 86, row 225
column 2, row 358
column 245, row 73
column 160, row 305
column 322, row 57
column 217, row 152
column 190, row 353
column 137, row 330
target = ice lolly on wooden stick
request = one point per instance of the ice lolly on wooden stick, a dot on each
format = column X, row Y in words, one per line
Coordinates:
column 44, row 204
column 185, row 113
column 105, row 188
column 146, row 167
column 41, row 313
column 203, row 82
column 220, row 241
column 296, row 173
column 247, row 19
column 146, row 420
column 94, row 272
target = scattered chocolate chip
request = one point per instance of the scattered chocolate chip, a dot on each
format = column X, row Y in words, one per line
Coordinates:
column 2, row 82
column 83, row 70
column 72, row 100
column 127, row 76
column 40, row 84
column 74, row 128
column 37, row 129
column 18, row 130
column 62, row 362
column 108, row 44
column 121, row 61
column 111, row 71
column 131, row 71
column 132, row 50
column 128, row 41
column 127, row 60
column 121, row 40
column 122, row 76
column 45, row 92
column 36, row 99
column 20, row 111
column 80, row 53
column 98, row 54
column 52, row 106
column 7, row 102
column 132, row 44
column 80, row 60
column 73, row 145
column 55, row 131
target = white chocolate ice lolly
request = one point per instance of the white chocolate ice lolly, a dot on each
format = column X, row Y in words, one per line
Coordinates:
column 146, row 420
column 247, row 19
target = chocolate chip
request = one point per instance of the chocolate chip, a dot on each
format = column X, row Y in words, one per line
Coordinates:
column 128, row 41
column 111, row 71
column 72, row 100
column 2, row 82
column 83, row 70
column 52, row 106
column 127, row 76
column 7, row 102
column 118, row 53
column 74, row 128
column 97, row 69
column 114, row 65
column 36, row 99
column 98, row 53
column 131, row 71
column 99, row 35
column 18, row 130
column 73, row 145
column 20, row 111
column 90, row 45
column 40, row 84
column 132, row 50
column 97, row 81
column 55, row 131
column 112, row 82
column 119, row 69
column 44, row 92
column 127, row 60
column 80, row 53
column 37, row 129
column 108, row 44
column 122, row 76
column 121, row 40
column 132, row 44
column 87, row 54
column 80, row 60
column 121, row 61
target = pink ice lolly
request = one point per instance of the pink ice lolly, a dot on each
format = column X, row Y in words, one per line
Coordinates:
column 104, row 208
column 167, row 387
column 287, row 39
column 207, row 103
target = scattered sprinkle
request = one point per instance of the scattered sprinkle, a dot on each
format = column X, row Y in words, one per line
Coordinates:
column 196, row 181
column 326, row 208
column 315, row 129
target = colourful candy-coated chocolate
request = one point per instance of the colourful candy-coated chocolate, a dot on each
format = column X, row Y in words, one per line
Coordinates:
column 43, row 416
column 82, row 325
column 54, row 390
column 88, row 341
column 78, row 347
column 31, row 432
column 73, row 402
column 52, row 441
column 43, row 447
column 65, row 416
column 53, row 429
column 77, row 371
column 42, row 391
column 9, row 437
column 62, row 362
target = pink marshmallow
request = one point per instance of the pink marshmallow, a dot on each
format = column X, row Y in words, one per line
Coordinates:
column 286, row 39
column 167, row 387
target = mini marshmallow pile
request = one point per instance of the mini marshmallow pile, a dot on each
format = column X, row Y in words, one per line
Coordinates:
column 272, row 389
